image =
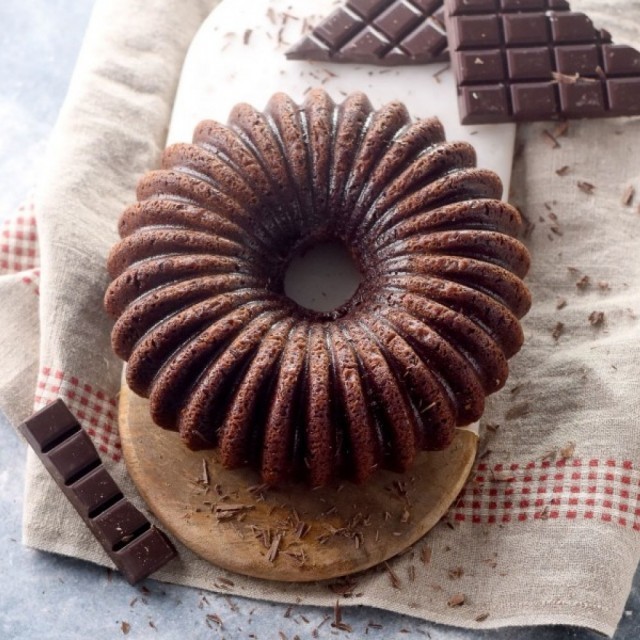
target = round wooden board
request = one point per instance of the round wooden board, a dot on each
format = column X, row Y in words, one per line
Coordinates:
column 290, row 533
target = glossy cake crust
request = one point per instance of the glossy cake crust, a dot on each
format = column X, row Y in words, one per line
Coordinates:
column 230, row 362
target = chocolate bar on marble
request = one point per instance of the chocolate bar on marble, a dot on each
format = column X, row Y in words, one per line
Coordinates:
column 136, row 547
column 381, row 32
column 523, row 60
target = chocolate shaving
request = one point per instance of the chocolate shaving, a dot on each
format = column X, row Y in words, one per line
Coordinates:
column 247, row 36
column 561, row 303
column 396, row 583
column 225, row 511
column 456, row 600
column 586, row 187
column 439, row 72
column 125, row 627
column 205, row 473
column 344, row 587
column 564, row 78
column 274, row 548
column 562, row 171
column 551, row 139
column 558, row 330
column 337, row 619
column 596, row 319
column 628, row 195
column 518, row 411
column 583, row 283
column 456, row 573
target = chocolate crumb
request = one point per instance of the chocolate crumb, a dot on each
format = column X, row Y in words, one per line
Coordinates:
column 558, row 330
column 152, row 625
column 628, row 195
column 456, row 600
column 247, row 36
column 583, row 283
column 586, row 187
column 456, row 573
column 562, row 171
column 481, row 617
column 596, row 319
column 561, row 129
column 425, row 555
column 568, row 450
column 518, row 411
column 493, row 428
column 125, row 627
column 561, row 303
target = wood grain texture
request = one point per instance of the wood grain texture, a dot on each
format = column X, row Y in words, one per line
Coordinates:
column 290, row 533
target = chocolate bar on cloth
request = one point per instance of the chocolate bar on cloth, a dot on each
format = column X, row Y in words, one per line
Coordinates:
column 525, row 60
column 136, row 547
column 382, row 32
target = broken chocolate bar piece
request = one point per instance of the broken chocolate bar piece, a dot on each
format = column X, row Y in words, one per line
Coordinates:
column 524, row 60
column 381, row 32
column 136, row 547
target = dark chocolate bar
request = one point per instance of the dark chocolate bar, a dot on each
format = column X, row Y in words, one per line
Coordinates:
column 523, row 60
column 136, row 547
column 382, row 32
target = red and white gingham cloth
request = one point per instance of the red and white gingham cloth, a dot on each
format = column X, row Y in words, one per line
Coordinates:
column 547, row 530
column 95, row 409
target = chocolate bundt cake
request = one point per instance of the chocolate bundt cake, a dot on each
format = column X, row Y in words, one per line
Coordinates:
column 227, row 359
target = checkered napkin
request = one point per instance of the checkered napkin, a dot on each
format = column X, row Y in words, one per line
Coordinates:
column 547, row 530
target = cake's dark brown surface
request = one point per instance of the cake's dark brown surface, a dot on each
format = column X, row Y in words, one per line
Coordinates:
column 226, row 358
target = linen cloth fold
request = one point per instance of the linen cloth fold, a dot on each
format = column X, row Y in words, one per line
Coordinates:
column 547, row 530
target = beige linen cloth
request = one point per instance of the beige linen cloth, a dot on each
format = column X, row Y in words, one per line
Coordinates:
column 547, row 530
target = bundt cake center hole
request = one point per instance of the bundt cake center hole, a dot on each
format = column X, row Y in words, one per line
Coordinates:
column 322, row 276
